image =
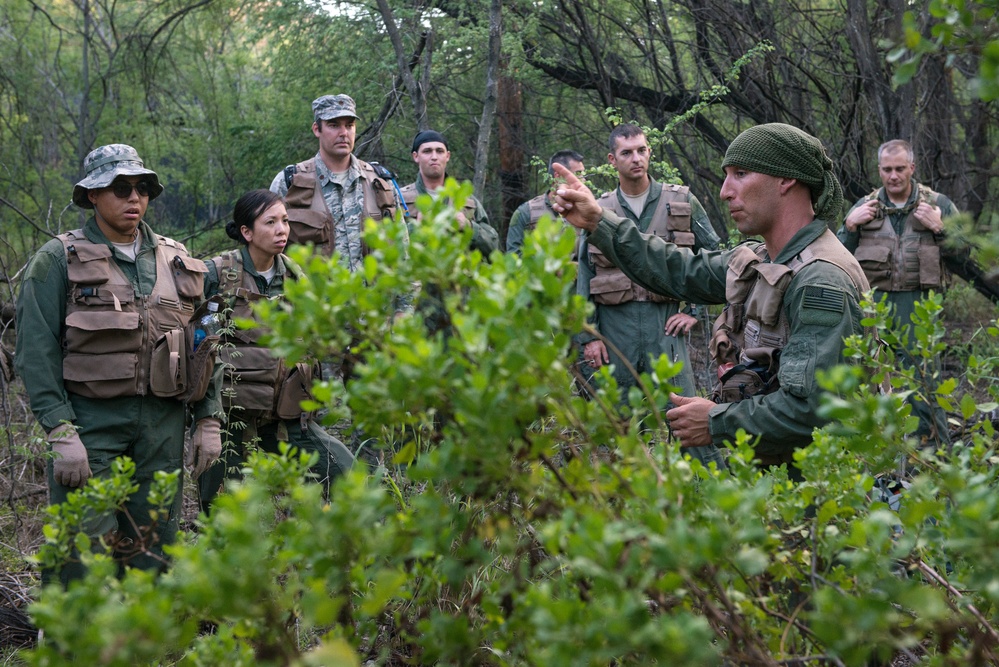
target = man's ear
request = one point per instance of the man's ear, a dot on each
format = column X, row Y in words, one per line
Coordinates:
column 415, row 154
column 786, row 184
column 92, row 196
column 316, row 130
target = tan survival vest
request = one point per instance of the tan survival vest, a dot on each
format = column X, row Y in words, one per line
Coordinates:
column 901, row 263
column 410, row 193
column 670, row 222
column 752, row 330
column 537, row 208
column 255, row 382
column 311, row 220
column 118, row 342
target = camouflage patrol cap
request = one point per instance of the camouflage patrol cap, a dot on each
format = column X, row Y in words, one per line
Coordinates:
column 106, row 163
column 329, row 107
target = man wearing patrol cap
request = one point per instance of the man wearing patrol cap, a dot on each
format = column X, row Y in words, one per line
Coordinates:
column 101, row 312
column 790, row 299
column 329, row 196
column 431, row 155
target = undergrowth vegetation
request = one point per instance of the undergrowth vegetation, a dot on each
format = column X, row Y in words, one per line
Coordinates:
column 521, row 524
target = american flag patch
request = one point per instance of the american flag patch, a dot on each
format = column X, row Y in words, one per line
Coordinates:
column 823, row 298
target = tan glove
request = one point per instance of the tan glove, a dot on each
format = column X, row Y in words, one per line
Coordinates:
column 206, row 446
column 70, row 466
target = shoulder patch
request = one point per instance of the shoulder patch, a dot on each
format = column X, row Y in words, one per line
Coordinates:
column 822, row 305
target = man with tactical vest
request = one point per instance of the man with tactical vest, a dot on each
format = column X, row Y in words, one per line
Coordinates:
column 896, row 233
column 329, row 196
column 790, row 299
column 526, row 217
column 108, row 359
column 431, row 155
column 637, row 323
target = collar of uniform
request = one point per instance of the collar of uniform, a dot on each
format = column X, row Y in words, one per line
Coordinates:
column 94, row 234
column 325, row 176
column 913, row 195
column 248, row 266
column 801, row 240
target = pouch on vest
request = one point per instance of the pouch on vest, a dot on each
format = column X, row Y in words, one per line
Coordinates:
column 251, row 375
column 384, row 197
column 875, row 223
column 611, row 289
column 767, row 297
column 929, row 266
column 740, row 278
column 89, row 330
column 100, row 375
column 599, row 259
column 756, row 374
column 308, row 227
column 87, row 264
column 297, row 387
column 875, row 260
column 168, row 365
column 189, row 276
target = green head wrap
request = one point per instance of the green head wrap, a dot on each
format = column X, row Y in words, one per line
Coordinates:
column 784, row 151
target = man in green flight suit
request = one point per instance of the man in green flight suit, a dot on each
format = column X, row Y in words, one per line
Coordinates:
column 431, row 155
column 526, row 217
column 797, row 292
column 903, row 259
column 639, row 323
column 98, row 310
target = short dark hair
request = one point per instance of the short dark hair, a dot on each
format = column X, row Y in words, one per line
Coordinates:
column 623, row 131
column 246, row 211
column 563, row 157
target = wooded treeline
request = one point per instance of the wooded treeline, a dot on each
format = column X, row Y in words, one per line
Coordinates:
column 215, row 94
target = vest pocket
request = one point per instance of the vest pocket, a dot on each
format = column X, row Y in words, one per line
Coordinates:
column 100, row 375
column 611, row 289
column 99, row 332
column 767, row 296
column 297, row 387
column 307, row 227
column 189, row 276
column 685, row 239
column 251, row 379
column 930, row 274
column 875, row 260
column 168, row 365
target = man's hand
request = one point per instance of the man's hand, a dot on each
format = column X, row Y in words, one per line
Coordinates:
column 680, row 324
column 595, row 353
column 862, row 215
column 929, row 216
column 689, row 420
column 574, row 201
column 206, row 446
column 462, row 219
column 70, row 466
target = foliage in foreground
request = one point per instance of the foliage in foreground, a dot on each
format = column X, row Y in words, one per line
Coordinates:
column 504, row 537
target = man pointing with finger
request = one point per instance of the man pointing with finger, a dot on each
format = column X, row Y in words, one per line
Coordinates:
column 790, row 299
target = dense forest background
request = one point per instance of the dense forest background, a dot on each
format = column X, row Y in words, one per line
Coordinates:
column 215, row 94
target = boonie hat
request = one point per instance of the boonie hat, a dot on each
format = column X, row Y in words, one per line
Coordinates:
column 106, row 163
column 329, row 107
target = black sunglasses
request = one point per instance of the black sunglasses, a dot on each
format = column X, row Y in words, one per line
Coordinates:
column 123, row 189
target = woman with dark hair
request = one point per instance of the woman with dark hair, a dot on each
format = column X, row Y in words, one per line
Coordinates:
column 261, row 394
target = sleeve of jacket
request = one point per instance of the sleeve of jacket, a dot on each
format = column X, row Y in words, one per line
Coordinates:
column 705, row 238
column 822, row 306
column 484, row 237
column 518, row 226
column 584, row 272
column 849, row 239
column 41, row 311
column 279, row 185
column 659, row 266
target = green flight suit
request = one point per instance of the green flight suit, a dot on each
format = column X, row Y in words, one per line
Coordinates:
column 903, row 302
column 784, row 419
column 637, row 328
column 304, row 434
column 148, row 429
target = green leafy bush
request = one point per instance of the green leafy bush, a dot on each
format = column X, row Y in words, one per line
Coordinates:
column 505, row 536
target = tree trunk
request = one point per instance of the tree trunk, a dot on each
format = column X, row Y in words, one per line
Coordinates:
column 413, row 87
column 489, row 104
column 511, row 150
